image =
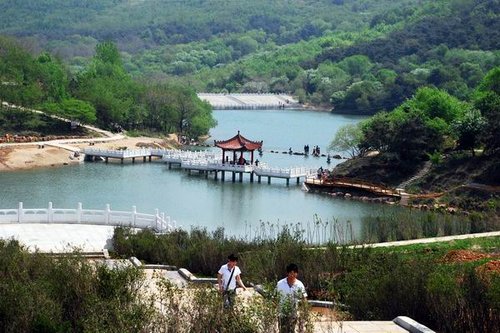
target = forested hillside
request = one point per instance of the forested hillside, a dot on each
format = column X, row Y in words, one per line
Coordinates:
column 102, row 92
column 353, row 56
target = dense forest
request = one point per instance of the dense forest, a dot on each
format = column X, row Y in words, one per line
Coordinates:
column 353, row 56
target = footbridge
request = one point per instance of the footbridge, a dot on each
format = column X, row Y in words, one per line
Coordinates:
column 146, row 153
column 206, row 162
column 158, row 222
column 313, row 183
column 262, row 170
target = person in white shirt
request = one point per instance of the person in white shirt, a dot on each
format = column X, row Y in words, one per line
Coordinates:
column 227, row 278
column 290, row 291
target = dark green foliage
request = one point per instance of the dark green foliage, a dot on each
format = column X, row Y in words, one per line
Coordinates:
column 487, row 100
column 14, row 121
column 102, row 92
column 39, row 293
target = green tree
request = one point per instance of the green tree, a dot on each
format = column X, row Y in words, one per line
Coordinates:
column 72, row 109
column 412, row 139
column 487, row 100
column 107, row 52
column 378, row 132
column 468, row 129
column 106, row 85
column 348, row 138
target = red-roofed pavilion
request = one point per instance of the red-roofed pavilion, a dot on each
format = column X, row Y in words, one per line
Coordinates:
column 238, row 143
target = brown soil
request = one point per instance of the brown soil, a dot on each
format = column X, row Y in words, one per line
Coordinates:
column 491, row 266
column 464, row 256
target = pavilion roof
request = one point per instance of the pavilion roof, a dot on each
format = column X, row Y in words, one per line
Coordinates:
column 238, row 142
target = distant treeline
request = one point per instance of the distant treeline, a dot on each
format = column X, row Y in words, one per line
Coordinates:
column 352, row 56
column 102, row 92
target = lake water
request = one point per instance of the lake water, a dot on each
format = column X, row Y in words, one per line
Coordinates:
column 242, row 209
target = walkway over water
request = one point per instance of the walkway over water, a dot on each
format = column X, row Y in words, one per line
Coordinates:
column 203, row 162
column 249, row 101
column 92, row 153
column 351, row 183
column 107, row 217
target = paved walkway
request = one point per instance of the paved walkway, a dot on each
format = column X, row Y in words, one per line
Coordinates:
column 59, row 238
column 326, row 326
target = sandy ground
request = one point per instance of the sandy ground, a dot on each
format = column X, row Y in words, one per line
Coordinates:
column 28, row 156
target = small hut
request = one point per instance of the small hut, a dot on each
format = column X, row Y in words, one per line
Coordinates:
column 238, row 144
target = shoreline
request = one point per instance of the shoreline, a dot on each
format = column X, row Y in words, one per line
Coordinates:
column 18, row 157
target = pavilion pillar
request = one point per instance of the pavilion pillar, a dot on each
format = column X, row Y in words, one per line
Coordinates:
column 234, row 176
column 223, row 173
column 251, row 177
column 241, row 177
column 223, row 156
column 251, row 157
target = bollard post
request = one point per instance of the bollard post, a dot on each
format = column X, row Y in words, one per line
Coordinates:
column 79, row 213
column 106, row 216
column 157, row 219
column 134, row 215
column 20, row 213
column 50, row 217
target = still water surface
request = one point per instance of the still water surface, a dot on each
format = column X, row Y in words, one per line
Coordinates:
column 193, row 200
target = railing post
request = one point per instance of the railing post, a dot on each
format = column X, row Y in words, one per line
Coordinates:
column 20, row 213
column 50, row 218
column 134, row 215
column 79, row 213
column 157, row 219
column 106, row 215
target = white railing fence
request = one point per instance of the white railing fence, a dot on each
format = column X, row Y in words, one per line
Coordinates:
column 158, row 221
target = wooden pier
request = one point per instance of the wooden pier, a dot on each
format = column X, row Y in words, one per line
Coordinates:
column 313, row 183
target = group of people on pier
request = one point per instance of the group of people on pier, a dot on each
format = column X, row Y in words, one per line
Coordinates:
column 315, row 152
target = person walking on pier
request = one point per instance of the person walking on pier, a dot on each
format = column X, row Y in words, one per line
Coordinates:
column 290, row 291
column 227, row 278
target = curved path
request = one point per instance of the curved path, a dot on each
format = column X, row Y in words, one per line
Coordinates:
column 63, row 143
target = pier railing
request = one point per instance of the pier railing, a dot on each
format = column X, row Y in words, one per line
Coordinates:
column 178, row 156
column 158, row 221
column 284, row 172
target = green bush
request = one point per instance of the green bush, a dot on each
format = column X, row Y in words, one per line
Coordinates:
column 39, row 293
